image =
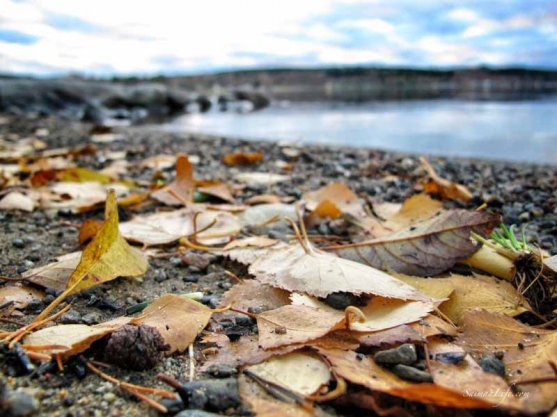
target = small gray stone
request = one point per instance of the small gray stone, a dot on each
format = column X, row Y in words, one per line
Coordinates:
column 18, row 243
column 404, row 354
column 21, row 403
column 71, row 317
column 196, row 413
column 91, row 318
column 411, row 374
column 160, row 275
column 492, row 364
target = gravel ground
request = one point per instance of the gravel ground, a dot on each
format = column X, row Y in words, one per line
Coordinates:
column 523, row 193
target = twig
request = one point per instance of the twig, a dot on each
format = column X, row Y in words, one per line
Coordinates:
column 192, row 362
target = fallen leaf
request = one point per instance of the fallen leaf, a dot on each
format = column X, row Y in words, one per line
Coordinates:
column 263, row 199
column 251, row 242
column 338, row 194
column 264, row 213
column 80, row 175
column 444, row 188
column 20, row 295
column 380, row 313
column 299, row 372
column 180, row 191
column 167, row 227
column 107, row 257
column 482, row 291
column 249, row 254
column 242, row 158
column 218, row 190
column 319, row 274
column 364, row 371
column 55, row 275
column 178, row 319
column 427, row 248
column 74, row 195
column 89, row 229
column 327, row 210
column 527, row 353
column 262, row 178
column 252, row 294
column 436, row 288
column 292, row 324
column 68, row 340
column 17, row 201
column 416, row 209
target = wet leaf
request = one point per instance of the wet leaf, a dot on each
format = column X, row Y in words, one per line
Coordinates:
column 427, row 248
column 444, row 188
column 242, row 158
column 299, row 372
column 180, row 191
column 320, row 274
column 527, row 353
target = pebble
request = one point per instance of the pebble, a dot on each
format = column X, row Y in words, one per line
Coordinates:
column 18, row 243
column 404, row 354
column 71, row 317
column 492, row 364
column 450, row 357
column 20, row 403
column 91, row 318
column 160, row 275
column 212, row 394
column 341, row 300
column 196, row 413
column 410, row 373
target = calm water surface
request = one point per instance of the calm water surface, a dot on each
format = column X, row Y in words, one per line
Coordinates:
column 516, row 131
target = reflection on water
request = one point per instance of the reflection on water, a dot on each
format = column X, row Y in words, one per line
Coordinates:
column 518, row 131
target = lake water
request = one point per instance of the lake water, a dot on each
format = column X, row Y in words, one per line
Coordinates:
column 506, row 130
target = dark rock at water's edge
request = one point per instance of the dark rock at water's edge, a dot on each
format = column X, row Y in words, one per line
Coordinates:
column 102, row 102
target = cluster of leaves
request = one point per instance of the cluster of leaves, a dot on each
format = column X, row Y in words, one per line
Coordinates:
column 321, row 312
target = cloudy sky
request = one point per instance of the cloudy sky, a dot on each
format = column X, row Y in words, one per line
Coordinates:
column 106, row 37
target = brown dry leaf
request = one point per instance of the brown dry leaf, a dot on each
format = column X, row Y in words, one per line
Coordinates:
column 292, row 324
column 178, row 319
column 107, row 257
column 20, row 295
column 437, row 288
column 468, row 378
column 56, row 274
column 251, row 293
column 264, row 405
column 180, row 191
column 242, row 158
column 417, row 332
column 89, row 229
column 485, row 292
column 319, row 274
column 380, row 313
column 427, row 248
column 263, row 199
column 219, row 190
column 444, row 188
column 365, row 372
column 326, row 209
column 167, row 227
column 17, row 201
column 249, row 254
column 338, row 194
column 159, row 162
column 417, row 208
column 527, row 354
column 68, row 340
column 299, row 372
